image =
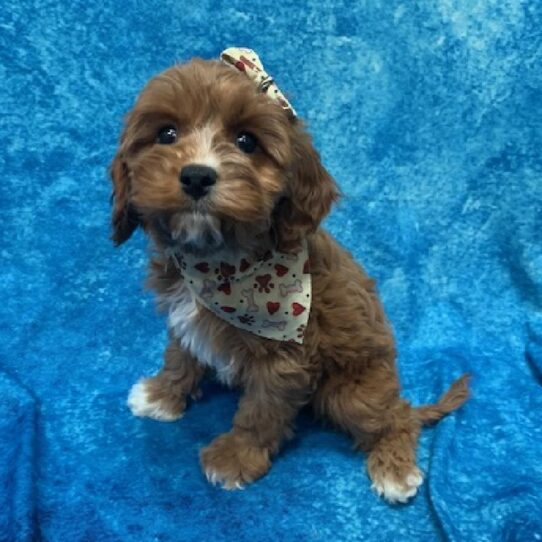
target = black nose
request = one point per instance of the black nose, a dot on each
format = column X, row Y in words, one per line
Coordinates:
column 197, row 180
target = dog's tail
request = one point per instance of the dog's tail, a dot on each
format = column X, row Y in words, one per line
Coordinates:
column 450, row 401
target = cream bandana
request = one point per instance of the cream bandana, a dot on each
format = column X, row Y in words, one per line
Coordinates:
column 248, row 62
column 270, row 297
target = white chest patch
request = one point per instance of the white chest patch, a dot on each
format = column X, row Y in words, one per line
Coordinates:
column 183, row 321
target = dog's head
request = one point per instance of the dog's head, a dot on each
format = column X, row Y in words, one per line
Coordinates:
column 206, row 160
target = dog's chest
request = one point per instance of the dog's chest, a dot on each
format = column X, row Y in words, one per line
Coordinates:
column 192, row 332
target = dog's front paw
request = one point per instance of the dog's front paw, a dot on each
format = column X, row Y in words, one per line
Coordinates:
column 232, row 463
column 150, row 398
column 397, row 487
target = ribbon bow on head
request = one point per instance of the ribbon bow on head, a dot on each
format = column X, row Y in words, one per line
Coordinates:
column 248, row 62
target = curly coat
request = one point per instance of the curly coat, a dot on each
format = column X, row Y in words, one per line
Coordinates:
column 345, row 369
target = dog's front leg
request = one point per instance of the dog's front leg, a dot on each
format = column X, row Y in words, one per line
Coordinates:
column 163, row 397
column 275, row 391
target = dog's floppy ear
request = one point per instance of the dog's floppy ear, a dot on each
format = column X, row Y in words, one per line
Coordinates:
column 124, row 219
column 310, row 193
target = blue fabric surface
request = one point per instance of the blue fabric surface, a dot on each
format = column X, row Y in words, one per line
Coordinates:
column 429, row 116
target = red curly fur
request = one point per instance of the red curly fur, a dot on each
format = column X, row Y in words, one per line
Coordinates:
column 274, row 198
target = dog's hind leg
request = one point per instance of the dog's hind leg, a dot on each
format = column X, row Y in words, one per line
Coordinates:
column 368, row 406
column 163, row 397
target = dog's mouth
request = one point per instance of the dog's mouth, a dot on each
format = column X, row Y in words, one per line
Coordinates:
column 194, row 232
column 203, row 233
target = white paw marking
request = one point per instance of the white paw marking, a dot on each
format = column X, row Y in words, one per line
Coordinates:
column 139, row 404
column 215, row 478
column 394, row 492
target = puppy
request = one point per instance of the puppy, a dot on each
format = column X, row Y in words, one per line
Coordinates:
column 217, row 169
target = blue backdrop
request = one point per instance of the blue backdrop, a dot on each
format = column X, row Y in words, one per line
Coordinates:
column 429, row 116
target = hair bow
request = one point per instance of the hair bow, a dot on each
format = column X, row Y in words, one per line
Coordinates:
column 248, row 62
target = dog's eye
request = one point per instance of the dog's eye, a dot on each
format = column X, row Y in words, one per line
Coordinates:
column 247, row 142
column 167, row 135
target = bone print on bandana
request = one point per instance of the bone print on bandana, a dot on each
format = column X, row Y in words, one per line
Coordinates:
column 270, row 297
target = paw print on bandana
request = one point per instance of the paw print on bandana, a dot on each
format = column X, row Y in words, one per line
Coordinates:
column 246, row 319
column 226, row 272
column 225, row 275
column 301, row 331
column 202, row 267
column 263, row 283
